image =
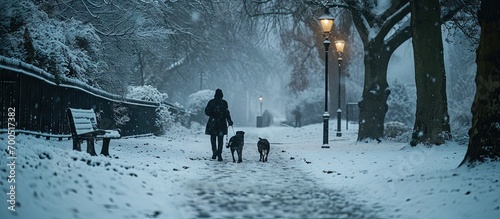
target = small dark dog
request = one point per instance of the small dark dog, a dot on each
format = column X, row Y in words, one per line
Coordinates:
column 263, row 146
column 236, row 144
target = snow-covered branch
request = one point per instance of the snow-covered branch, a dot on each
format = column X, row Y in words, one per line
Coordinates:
column 391, row 21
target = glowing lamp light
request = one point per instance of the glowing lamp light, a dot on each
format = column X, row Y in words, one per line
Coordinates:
column 339, row 45
column 326, row 21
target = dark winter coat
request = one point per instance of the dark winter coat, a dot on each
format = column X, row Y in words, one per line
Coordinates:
column 218, row 112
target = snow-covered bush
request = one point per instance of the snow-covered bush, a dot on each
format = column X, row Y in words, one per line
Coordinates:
column 460, row 97
column 196, row 104
column 397, row 131
column 401, row 106
column 460, row 120
column 147, row 93
column 164, row 118
column 311, row 103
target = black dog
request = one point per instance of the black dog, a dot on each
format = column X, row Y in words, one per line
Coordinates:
column 263, row 146
column 236, row 143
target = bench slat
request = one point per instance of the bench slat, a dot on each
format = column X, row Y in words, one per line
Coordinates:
column 84, row 121
column 87, row 113
column 83, row 125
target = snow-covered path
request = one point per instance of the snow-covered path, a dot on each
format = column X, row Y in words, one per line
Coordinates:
column 276, row 189
column 266, row 190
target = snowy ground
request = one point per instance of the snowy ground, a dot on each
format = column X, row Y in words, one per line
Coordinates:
column 174, row 177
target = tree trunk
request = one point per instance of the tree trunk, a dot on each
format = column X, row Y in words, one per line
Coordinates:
column 373, row 105
column 142, row 64
column 484, row 134
column 431, row 120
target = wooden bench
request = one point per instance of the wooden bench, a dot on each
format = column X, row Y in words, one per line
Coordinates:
column 83, row 125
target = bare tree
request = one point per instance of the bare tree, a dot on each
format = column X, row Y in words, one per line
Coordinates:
column 302, row 41
column 382, row 31
column 432, row 122
column 484, row 142
column 168, row 43
column 464, row 21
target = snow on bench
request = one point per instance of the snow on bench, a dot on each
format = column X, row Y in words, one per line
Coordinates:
column 83, row 125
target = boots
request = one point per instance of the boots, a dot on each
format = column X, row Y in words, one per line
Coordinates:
column 219, row 152
column 214, row 152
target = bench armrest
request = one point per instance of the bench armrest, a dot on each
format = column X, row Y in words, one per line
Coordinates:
column 110, row 134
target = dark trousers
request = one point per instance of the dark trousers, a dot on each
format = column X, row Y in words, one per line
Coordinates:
column 297, row 122
column 220, row 143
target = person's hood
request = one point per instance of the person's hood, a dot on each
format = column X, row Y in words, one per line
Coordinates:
column 218, row 94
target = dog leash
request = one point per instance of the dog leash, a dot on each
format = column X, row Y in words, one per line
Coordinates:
column 227, row 141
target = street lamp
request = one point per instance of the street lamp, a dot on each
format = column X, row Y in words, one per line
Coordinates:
column 339, row 45
column 261, row 100
column 326, row 21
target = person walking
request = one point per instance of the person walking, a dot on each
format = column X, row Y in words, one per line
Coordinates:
column 219, row 119
column 298, row 117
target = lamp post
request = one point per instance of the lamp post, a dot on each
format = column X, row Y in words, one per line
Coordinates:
column 201, row 80
column 259, row 117
column 261, row 100
column 326, row 21
column 339, row 45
